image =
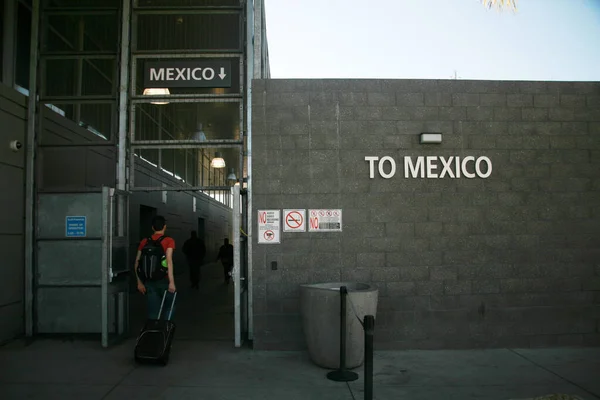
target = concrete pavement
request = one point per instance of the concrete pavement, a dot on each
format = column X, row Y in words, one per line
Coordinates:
column 204, row 365
column 51, row 369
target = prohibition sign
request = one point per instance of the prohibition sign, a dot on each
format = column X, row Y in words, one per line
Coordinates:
column 294, row 219
column 269, row 235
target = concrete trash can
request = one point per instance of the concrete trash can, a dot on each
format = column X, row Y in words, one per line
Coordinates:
column 320, row 309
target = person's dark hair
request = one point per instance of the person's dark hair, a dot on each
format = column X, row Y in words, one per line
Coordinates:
column 226, row 241
column 194, row 234
column 158, row 223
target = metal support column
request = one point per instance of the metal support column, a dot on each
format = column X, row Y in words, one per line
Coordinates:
column 249, row 76
column 123, row 90
column 237, row 275
column 31, row 143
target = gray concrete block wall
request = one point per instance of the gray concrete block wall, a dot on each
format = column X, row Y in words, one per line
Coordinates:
column 511, row 260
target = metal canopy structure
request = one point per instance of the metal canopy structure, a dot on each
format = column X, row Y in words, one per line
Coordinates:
column 86, row 78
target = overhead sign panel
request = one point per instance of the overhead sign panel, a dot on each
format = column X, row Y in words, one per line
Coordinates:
column 187, row 74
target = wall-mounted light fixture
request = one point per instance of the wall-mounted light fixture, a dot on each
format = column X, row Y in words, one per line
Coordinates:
column 217, row 161
column 430, row 137
column 157, row 92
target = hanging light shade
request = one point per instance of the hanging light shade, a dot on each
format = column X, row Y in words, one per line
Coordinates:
column 231, row 176
column 217, row 161
column 157, row 92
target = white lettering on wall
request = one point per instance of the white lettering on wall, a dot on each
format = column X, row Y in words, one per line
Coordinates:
column 371, row 161
column 393, row 169
column 428, row 167
column 414, row 170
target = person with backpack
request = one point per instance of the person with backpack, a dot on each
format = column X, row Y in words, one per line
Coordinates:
column 154, row 268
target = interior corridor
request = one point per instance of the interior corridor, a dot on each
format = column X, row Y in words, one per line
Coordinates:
column 204, row 314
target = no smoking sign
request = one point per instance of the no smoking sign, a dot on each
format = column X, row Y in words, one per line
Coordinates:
column 294, row 220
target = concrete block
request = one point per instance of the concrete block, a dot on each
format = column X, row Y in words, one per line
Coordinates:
column 352, row 98
column 356, row 275
column 486, row 286
column 452, row 113
column 586, row 114
column 324, row 275
column 451, row 86
column 431, row 288
column 287, row 99
column 385, row 274
column 482, row 142
column 574, row 128
column 480, row 113
column 465, row 99
column 409, row 85
column 445, row 302
column 437, row 99
column 492, row 99
column 370, row 260
column 533, row 87
column 561, row 114
column 534, row 114
column 457, row 287
column 323, row 113
column 322, row 98
column 540, row 285
column 443, row 273
column 519, row 100
column 507, row 114
column 428, row 229
column 484, row 86
column 572, row 100
column 370, row 113
column 593, row 101
column 546, row 100
column 563, row 142
column 402, row 229
column 395, row 289
column 414, row 273
column 381, row 99
column 410, row 99
column 280, row 85
column 535, row 142
column 276, row 114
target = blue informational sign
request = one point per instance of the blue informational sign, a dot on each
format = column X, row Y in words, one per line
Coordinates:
column 76, row 226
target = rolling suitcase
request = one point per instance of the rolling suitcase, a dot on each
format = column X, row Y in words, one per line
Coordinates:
column 154, row 342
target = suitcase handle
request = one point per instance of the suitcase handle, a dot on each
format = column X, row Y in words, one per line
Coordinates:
column 163, row 303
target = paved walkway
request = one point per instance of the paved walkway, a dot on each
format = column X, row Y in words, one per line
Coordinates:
column 50, row 369
column 204, row 365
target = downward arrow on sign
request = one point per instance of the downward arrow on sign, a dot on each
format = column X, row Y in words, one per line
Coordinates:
column 222, row 74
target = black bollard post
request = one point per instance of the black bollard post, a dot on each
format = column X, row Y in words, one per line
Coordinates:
column 342, row 374
column 369, row 331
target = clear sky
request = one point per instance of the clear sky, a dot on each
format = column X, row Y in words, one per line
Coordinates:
column 543, row 40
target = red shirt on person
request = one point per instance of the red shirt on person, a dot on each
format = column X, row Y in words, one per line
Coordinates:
column 167, row 242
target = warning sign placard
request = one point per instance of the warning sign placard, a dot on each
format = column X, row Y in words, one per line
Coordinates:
column 294, row 220
column 324, row 220
column 269, row 226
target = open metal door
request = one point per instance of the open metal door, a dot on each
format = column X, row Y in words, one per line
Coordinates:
column 115, row 266
column 240, row 274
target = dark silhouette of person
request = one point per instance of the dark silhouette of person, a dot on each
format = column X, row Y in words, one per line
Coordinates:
column 194, row 250
column 226, row 257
